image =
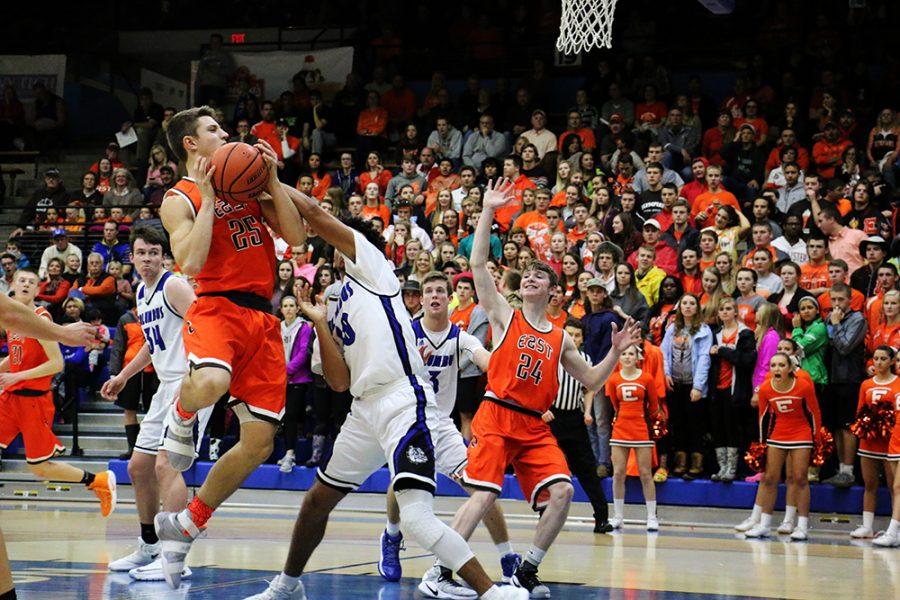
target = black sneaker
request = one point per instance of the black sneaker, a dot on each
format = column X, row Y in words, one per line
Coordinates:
column 602, row 527
column 526, row 577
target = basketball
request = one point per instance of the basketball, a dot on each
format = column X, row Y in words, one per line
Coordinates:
column 241, row 172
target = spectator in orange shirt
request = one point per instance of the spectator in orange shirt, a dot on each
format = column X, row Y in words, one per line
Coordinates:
column 837, row 273
column 400, row 102
column 371, row 127
column 321, row 178
column 706, row 204
column 374, row 204
column 512, row 166
column 715, row 138
column 788, row 139
column 573, row 121
column 827, row 152
column 814, row 273
column 375, row 172
column 751, row 116
column 652, row 106
column 99, row 289
column 266, row 129
column 555, row 313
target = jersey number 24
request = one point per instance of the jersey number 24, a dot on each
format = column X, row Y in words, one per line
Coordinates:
column 524, row 370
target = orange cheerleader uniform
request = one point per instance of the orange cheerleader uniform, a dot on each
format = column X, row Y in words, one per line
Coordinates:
column 871, row 392
column 794, row 416
column 634, row 401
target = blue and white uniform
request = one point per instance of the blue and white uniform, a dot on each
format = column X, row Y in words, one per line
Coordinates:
column 162, row 325
column 448, row 351
column 394, row 409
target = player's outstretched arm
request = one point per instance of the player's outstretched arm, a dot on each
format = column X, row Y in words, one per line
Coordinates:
column 280, row 213
column 496, row 195
column 21, row 319
column 191, row 236
column 334, row 368
column 325, row 224
column 112, row 386
column 594, row 377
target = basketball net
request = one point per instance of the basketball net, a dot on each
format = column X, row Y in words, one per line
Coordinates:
column 585, row 25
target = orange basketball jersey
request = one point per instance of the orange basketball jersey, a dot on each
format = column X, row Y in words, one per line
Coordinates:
column 241, row 253
column 27, row 353
column 523, row 366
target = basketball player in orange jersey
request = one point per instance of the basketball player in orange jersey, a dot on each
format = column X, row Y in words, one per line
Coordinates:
column 26, row 402
column 17, row 317
column 522, row 385
column 232, row 339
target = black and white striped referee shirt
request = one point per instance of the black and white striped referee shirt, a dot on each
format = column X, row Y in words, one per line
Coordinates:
column 571, row 393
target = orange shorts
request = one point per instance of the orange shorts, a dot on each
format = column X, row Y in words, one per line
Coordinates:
column 32, row 416
column 245, row 342
column 501, row 437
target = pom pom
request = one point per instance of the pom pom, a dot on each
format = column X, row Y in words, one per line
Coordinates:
column 659, row 427
column 874, row 421
column 756, row 457
column 823, row 447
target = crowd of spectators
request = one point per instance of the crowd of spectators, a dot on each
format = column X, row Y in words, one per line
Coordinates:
column 775, row 202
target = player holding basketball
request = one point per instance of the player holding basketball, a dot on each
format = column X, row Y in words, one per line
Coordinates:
column 162, row 299
column 394, row 417
column 522, row 385
column 232, row 339
column 17, row 317
column 26, row 402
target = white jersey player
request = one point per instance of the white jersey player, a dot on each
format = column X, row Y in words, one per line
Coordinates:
column 162, row 299
column 393, row 414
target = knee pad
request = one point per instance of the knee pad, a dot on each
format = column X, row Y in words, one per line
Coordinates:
column 417, row 518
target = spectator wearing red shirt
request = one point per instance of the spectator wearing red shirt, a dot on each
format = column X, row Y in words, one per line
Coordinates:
column 827, row 152
column 267, row 129
column 651, row 106
column 371, row 127
column 400, row 102
column 694, row 188
column 112, row 153
column 788, row 139
column 715, row 138
column 512, row 166
column 751, row 116
column 375, row 172
column 666, row 259
column 573, row 122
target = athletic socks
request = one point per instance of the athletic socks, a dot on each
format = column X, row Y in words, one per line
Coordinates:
column 651, row 509
column 88, row 478
column 535, row 555
column 765, row 519
column 619, row 508
column 803, row 523
column 790, row 513
column 148, row 533
column 288, row 581
column 504, row 548
column 894, row 527
column 868, row 519
column 199, row 512
column 757, row 511
column 848, row 469
column 392, row 529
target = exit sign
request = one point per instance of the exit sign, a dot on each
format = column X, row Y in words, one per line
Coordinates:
column 238, row 38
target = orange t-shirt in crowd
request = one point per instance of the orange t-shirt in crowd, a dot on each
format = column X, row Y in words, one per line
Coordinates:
column 381, row 211
column 692, row 283
column 726, row 369
column 320, row 185
column 461, row 317
column 588, row 141
column 537, row 230
column 813, row 277
column 504, row 215
column 559, row 320
column 708, row 199
column 857, row 302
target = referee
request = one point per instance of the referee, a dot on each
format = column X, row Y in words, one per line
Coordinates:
column 567, row 419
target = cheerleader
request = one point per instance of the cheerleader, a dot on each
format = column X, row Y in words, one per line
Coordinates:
column 891, row 537
column 882, row 387
column 793, row 418
column 635, row 400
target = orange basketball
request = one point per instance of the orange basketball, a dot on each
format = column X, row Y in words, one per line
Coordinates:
column 241, row 173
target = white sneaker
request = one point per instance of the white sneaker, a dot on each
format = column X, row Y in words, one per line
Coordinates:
column 506, row 592
column 887, row 540
column 278, row 591
column 154, row 572
column 652, row 524
column 758, row 531
column 616, row 522
column 746, row 525
column 286, row 464
column 799, row 535
column 862, row 532
column 438, row 582
column 144, row 555
column 786, row 527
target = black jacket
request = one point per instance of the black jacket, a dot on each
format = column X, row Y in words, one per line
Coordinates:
column 40, row 201
column 743, row 357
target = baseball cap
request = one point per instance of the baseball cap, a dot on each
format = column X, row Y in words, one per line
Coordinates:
column 112, row 146
column 464, row 276
column 51, row 172
column 652, row 223
column 58, row 232
column 538, row 111
column 748, row 126
column 595, row 282
column 616, row 118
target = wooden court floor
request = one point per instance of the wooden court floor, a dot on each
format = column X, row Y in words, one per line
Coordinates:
column 60, row 551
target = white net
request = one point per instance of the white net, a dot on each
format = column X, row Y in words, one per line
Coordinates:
column 585, row 24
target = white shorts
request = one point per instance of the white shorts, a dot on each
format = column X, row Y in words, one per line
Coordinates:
column 150, row 436
column 395, row 427
column 450, row 449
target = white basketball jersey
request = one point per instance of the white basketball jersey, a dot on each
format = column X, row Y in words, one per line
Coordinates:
column 162, row 330
column 449, row 350
column 373, row 326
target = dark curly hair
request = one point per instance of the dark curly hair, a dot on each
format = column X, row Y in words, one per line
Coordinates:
column 364, row 227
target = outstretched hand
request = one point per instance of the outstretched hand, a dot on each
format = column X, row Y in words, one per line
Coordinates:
column 498, row 193
column 309, row 307
column 629, row 335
